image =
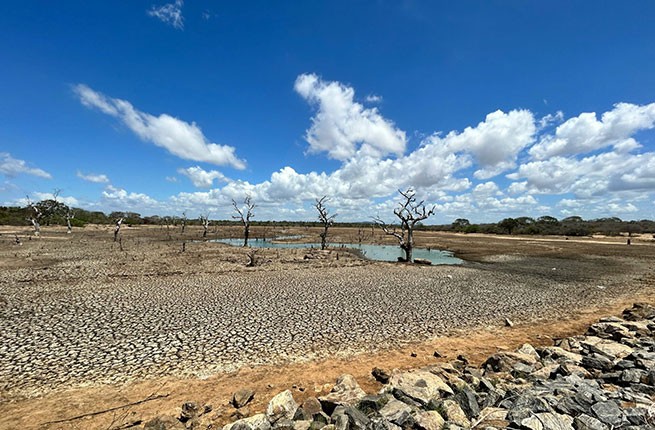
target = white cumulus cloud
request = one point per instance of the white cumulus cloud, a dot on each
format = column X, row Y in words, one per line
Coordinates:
column 170, row 13
column 92, row 177
column 342, row 127
column 121, row 199
column 202, row 178
column 373, row 98
column 11, row 167
column 180, row 138
column 495, row 142
column 585, row 133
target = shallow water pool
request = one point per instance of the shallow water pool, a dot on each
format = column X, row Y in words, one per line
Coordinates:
column 372, row 252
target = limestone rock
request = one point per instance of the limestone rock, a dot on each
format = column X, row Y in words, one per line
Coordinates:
column 349, row 418
column 610, row 349
column 555, row 421
column 467, row 401
column 310, row 407
column 284, row 424
column 255, row 422
column 505, row 361
column 370, row 403
column 242, row 397
column 561, row 355
column 301, row 425
column 281, row 406
column 429, row 420
column 608, row 412
column 346, row 392
column 491, row 416
column 396, row 411
column 420, row 385
column 586, row 422
column 455, row 414
column 527, row 349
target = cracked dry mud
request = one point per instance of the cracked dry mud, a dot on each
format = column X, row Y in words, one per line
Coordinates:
column 78, row 311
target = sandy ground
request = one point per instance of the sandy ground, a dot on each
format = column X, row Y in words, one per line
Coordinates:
column 606, row 274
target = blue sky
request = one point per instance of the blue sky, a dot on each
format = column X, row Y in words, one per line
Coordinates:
column 488, row 109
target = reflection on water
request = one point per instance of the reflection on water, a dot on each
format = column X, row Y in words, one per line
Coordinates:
column 373, row 252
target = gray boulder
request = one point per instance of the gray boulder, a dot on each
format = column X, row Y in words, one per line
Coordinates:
column 608, row 412
column 586, row 422
column 349, row 418
column 242, row 397
column 281, row 406
column 396, row 412
column 455, row 414
column 429, row 420
column 255, row 422
column 373, row 403
column 547, row 421
column 346, row 392
column 420, row 386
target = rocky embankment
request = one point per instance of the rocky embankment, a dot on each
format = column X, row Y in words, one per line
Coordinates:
column 602, row 380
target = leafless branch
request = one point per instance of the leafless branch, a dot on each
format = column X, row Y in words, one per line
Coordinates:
column 409, row 212
column 244, row 215
column 325, row 218
column 204, row 220
column 104, row 411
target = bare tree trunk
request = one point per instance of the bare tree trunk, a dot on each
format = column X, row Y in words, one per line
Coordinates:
column 69, row 216
column 204, row 220
column 325, row 219
column 37, row 227
column 117, row 229
column 34, row 219
column 244, row 216
column 410, row 213
column 409, row 245
column 246, row 234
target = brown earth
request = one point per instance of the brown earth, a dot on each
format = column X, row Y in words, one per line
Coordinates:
column 583, row 260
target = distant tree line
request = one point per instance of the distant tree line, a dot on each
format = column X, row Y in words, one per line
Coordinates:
column 548, row 225
column 56, row 213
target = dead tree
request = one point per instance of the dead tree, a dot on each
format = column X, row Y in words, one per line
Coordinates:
column 410, row 213
column 245, row 214
column 183, row 221
column 361, row 235
column 117, row 229
column 44, row 211
column 35, row 217
column 204, row 220
column 70, row 214
column 325, row 218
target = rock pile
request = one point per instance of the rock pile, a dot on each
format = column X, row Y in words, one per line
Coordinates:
column 600, row 381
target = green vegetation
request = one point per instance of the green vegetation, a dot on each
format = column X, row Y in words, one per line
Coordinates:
column 54, row 213
column 548, row 225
